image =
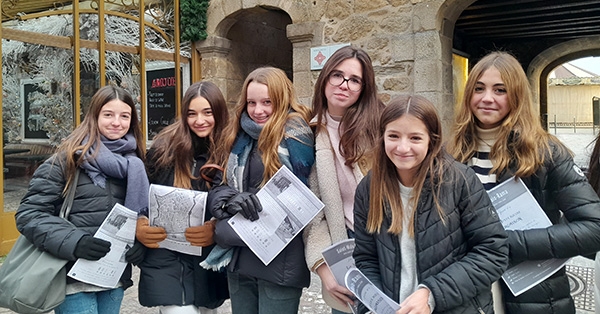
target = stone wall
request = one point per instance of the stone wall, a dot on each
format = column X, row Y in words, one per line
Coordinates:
column 409, row 42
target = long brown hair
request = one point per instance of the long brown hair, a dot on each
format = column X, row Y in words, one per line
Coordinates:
column 285, row 108
column 360, row 119
column 89, row 128
column 521, row 140
column 385, row 189
column 174, row 145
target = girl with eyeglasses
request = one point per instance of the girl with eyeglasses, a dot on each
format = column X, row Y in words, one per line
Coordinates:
column 345, row 113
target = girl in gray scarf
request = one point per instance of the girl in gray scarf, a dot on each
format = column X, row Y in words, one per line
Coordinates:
column 105, row 153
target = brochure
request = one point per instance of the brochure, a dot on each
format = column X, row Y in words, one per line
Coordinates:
column 176, row 209
column 338, row 258
column 288, row 206
column 518, row 210
column 119, row 229
column 373, row 298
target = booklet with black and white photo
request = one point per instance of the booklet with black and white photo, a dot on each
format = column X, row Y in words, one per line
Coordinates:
column 338, row 258
column 176, row 209
column 518, row 210
column 119, row 229
column 288, row 206
column 373, row 298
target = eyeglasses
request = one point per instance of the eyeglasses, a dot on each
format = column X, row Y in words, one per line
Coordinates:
column 337, row 79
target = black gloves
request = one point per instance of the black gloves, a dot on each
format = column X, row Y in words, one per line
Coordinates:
column 136, row 253
column 245, row 203
column 217, row 200
column 91, row 248
column 224, row 202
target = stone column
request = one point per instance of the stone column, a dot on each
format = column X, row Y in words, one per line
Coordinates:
column 303, row 36
column 215, row 64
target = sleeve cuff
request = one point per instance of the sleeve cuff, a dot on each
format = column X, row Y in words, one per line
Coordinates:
column 430, row 300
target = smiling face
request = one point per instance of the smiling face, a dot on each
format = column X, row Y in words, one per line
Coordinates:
column 114, row 119
column 489, row 102
column 200, row 117
column 340, row 98
column 258, row 103
column 406, row 141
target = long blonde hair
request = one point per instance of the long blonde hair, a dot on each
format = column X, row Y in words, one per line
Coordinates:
column 285, row 108
column 385, row 189
column 521, row 141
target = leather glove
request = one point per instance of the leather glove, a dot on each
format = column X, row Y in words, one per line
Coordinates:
column 217, row 200
column 135, row 255
column 201, row 235
column 91, row 248
column 245, row 203
column 148, row 235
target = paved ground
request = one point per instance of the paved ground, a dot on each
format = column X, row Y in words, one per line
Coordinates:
column 580, row 270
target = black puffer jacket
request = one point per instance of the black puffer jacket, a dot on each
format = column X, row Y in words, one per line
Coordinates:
column 560, row 188
column 458, row 261
column 37, row 216
column 173, row 278
column 288, row 268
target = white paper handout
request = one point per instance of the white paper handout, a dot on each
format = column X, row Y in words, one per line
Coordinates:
column 119, row 229
column 518, row 210
column 176, row 209
column 338, row 258
column 373, row 298
column 288, row 206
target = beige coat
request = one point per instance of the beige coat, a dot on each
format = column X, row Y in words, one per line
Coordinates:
column 329, row 225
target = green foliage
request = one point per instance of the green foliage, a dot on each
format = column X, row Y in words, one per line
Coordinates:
column 193, row 19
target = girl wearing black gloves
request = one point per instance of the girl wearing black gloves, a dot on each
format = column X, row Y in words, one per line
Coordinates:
column 270, row 130
column 171, row 280
column 107, row 147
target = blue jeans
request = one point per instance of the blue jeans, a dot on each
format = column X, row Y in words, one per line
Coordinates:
column 103, row 302
column 250, row 295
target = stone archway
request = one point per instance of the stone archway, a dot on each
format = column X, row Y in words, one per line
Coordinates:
column 542, row 65
column 244, row 36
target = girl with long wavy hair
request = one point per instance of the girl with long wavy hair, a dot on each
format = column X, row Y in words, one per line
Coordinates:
column 106, row 152
column 498, row 134
column 171, row 280
column 270, row 130
column 427, row 234
column 345, row 114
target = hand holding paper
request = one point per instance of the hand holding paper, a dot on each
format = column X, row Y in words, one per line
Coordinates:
column 201, row 235
column 148, row 235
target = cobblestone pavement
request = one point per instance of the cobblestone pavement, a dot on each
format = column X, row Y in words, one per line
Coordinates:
column 310, row 303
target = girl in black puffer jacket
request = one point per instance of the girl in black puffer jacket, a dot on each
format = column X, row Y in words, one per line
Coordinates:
column 499, row 135
column 426, row 231
column 171, row 280
column 105, row 151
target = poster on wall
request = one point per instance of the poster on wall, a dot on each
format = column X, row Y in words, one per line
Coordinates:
column 33, row 119
column 160, row 98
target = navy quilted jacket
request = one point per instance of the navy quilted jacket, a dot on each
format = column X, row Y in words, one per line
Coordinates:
column 458, row 261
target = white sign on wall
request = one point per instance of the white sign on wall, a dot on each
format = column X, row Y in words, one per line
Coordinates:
column 320, row 55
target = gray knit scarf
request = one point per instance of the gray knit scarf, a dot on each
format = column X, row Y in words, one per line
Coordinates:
column 118, row 159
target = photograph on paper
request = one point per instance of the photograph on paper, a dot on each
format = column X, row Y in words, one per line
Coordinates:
column 119, row 229
column 288, row 206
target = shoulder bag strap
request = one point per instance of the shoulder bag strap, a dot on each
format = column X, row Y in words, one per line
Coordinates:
column 65, row 210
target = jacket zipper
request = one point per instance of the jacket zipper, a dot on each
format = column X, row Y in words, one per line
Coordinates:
column 181, row 281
